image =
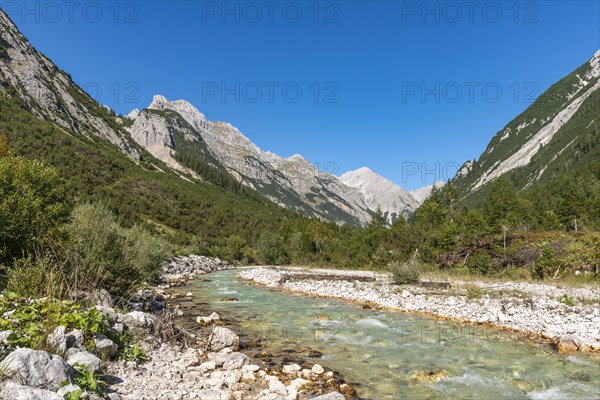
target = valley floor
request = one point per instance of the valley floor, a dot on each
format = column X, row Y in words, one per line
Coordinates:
column 568, row 317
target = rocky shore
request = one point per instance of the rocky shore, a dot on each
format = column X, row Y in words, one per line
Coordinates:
column 569, row 318
column 169, row 363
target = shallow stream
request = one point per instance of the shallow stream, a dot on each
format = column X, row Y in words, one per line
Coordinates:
column 391, row 355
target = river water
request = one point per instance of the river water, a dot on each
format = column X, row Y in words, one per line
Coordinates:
column 386, row 354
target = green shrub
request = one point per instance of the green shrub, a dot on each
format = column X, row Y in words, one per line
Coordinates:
column 31, row 277
column 33, row 319
column 474, row 292
column 32, row 206
column 88, row 381
column 271, row 250
column 480, row 262
column 234, row 249
column 105, row 255
column 567, row 300
column 404, row 273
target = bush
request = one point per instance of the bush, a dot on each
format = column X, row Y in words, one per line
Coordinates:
column 480, row 262
column 404, row 273
column 234, row 249
column 31, row 277
column 32, row 206
column 271, row 250
column 105, row 255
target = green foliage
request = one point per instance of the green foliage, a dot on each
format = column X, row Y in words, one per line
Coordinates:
column 480, row 263
column 31, row 277
column 502, row 206
column 547, row 264
column 271, row 249
column 235, row 248
column 88, row 381
column 33, row 319
column 474, row 292
column 565, row 299
column 33, row 204
column 3, row 145
column 105, row 255
column 404, row 273
column 134, row 353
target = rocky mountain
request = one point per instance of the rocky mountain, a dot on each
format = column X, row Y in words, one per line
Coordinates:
column 45, row 116
column 50, row 93
column 175, row 135
column 421, row 194
column 168, row 128
column 381, row 194
column 560, row 131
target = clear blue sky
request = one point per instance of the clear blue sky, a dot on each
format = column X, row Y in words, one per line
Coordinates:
column 370, row 61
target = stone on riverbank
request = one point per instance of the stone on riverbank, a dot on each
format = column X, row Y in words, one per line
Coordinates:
column 10, row 390
column 222, row 337
column 36, row 368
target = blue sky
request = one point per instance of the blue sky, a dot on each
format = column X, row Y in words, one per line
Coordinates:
column 410, row 89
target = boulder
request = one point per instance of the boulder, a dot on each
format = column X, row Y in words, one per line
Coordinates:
column 147, row 300
column 75, row 338
column 107, row 312
column 70, row 388
column 217, row 358
column 223, row 337
column 291, row 369
column 101, row 297
column 84, row 358
column 57, row 340
column 207, row 366
column 138, row 321
column 36, row 368
column 104, row 346
column 10, row 390
column 235, row 360
column 566, row 344
column 4, row 336
column 275, row 386
column 317, row 369
column 207, row 320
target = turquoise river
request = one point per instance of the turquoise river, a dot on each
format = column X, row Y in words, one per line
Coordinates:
column 383, row 353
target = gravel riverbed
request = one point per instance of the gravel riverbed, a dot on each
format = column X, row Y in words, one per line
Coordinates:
column 533, row 309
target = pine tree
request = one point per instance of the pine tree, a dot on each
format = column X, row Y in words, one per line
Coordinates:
column 574, row 202
column 502, row 203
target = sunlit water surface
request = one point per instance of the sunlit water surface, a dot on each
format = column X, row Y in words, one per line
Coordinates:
column 384, row 352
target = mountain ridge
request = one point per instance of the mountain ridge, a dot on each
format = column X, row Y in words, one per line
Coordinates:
column 557, row 132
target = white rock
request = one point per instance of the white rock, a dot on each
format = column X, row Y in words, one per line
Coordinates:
column 104, row 346
column 87, row 359
column 223, row 337
column 36, row 368
column 57, row 340
column 291, row 369
column 275, row 386
column 208, row 366
column 10, row 390
column 317, row 369
column 235, row 361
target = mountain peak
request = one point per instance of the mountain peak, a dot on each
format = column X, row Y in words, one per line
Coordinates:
column 158, row 102
column 381, row 193
column 421, row 194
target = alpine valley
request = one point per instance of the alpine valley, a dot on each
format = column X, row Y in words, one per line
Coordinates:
column 173, row 141
column 109, row 224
